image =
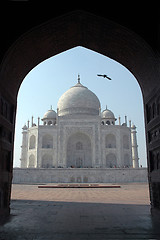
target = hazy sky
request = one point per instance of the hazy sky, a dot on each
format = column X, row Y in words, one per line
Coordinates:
column 45, row 84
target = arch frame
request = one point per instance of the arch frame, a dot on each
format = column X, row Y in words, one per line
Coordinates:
column 84, row 154
column 110, row 141
column 47, row 160
column 32, row 142
column 31, row 161
column 47, row 141
column 79, row 28
column 111, row 160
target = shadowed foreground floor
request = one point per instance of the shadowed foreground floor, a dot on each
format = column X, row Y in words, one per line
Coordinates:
column 85, row 217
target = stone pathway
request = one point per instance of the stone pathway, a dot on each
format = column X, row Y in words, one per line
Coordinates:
column 127, row 194
column 80, row 214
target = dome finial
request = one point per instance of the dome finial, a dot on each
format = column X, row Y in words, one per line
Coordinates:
column 78, row 78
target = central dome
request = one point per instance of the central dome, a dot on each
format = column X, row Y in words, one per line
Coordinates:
column 78, row 100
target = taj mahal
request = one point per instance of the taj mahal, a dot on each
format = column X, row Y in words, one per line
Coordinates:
column 79, row 135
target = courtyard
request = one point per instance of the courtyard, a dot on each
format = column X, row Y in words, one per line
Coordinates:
column 135, row 193
column 80, row 213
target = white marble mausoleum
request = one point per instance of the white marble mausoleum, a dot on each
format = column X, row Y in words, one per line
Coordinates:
column 79, row 135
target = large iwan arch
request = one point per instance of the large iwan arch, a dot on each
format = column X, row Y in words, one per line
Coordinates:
column 79, row 150
column 98, row 34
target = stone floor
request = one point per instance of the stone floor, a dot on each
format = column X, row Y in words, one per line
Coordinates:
column 105, row 213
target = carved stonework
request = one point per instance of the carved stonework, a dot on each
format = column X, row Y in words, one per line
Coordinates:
column 97, row 144
column 5, row 134
column 153, row 108
column 71, row 130
column 153, row 131
column 6, row 164
column 154, row 134
column 154, row 156
column 7, row 110
column 155, row 194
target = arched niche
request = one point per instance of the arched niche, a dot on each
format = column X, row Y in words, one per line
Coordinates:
column 47, row 141
column 47, row 161
column 31, row 163
column 32, row 142
column 110, row 141
column 79, row 151
column 111, row 160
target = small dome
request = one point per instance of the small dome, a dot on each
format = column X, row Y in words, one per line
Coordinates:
column 133, row 126
column 50, row 114
column 107, row 114
column 25, row 127
column 78, row 100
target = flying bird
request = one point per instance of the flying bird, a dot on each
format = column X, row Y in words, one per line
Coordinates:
column 104, row 75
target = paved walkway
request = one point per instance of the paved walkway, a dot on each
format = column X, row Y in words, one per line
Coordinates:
column 109, row 213
column 127, row 194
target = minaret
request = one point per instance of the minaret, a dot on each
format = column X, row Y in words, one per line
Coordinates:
column 134, row 147
column 24, row 147
column 119, row 120
column 32, row 122
column 126, row 120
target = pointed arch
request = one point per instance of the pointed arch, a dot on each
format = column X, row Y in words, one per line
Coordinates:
column 79, row 146
column 47, row 161
column 80, row 29
column 111, row 160
column 47, row 141
column 126, row 160
column 32, row 142
column 110, row 141
column 99, row 34
column 79, row 150
column 126, row 142
column 32, row 162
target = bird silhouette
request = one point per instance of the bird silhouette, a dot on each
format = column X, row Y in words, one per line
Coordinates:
column 104, row 75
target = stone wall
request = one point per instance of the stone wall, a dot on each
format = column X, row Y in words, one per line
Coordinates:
column 65, row 175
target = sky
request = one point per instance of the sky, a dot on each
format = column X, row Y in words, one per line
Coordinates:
column 44, row 85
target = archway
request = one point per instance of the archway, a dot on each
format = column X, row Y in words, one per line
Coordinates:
column 47, row 161
column 111, row 160
column 79, row 152
column 110, row 141
column 95, row 33
column 127, row 161
column 125, row 142
column 32, row 142
column 47, row 141
column 31, row 163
